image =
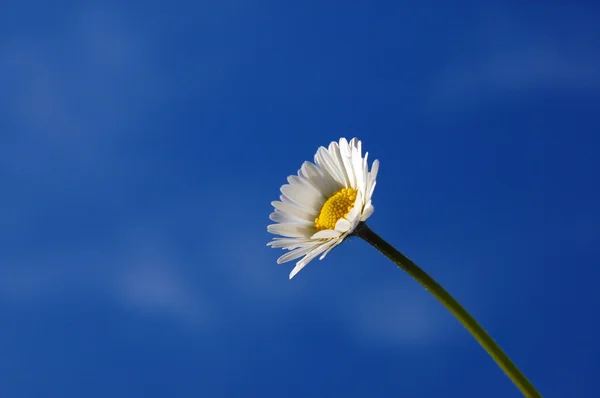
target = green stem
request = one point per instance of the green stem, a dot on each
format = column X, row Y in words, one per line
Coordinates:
column 451, row 304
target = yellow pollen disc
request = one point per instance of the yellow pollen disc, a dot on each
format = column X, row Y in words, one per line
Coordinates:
column 336, row 207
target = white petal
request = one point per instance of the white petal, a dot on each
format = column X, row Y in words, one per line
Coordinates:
column 356, row 210
column 372, row 177
column 324, row 160
column 291, row 230
column 281, row 217
column 343, row 225
column 326, row 234
column 328, row 250
column 374, row 170
column 321, row 180
column 285, row 199
column 295, row 254
column 297, row 269
column 355, row 161
column 336, row 152
column 303, row 197
column 371, row 189
column 309, row 257
column 294, row 211
column 356, row 145
column 310, row 170
column 365, row 172
column 369, row 209
column 306, row 184
column 289, row 243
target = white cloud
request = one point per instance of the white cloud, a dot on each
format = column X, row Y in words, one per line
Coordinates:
column 72, row 98
column 143, row 275
column 406, row 317
column 71, row 94
column 160, row 289
column 515, row 72
column 508, row 58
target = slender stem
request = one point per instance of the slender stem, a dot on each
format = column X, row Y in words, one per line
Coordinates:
column 451, row 304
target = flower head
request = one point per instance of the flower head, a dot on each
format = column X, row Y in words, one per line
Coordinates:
column 324, row 203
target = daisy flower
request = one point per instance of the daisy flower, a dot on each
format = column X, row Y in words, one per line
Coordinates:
column 328, row 201
column 324, row 203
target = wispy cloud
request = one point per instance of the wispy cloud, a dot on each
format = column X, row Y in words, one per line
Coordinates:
column 142, row 275
column 71, row 95
column 407, row 317
column 516, row 59
column 71, row 98
column 515, row 72
column 157, row 286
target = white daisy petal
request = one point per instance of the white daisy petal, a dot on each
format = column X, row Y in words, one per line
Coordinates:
column 324, row 160
column 308, row 218
column 294, row 254
column 346, row 160
column 365, row 172
column 326, row 234
column 290, row 230
column 369, row 209
column 281, row 217
column 297, row 269
column 309, row 257
column 335, row 151
column 294, row 211
column 305, row 184
column 371, row 180
column 285, row 199
column 327, row 251
column 321, row 180
column 374, row 170
column 356, row 143
column 371, row 189
column 356, row 210
column 309, row 170
column 342, row 225
column 289, row 243
column 301, row 196
column 361, row 177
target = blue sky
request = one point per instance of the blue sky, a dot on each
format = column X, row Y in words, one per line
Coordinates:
column 141, row 146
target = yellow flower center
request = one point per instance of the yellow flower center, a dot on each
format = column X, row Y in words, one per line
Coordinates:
column 336, row 207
